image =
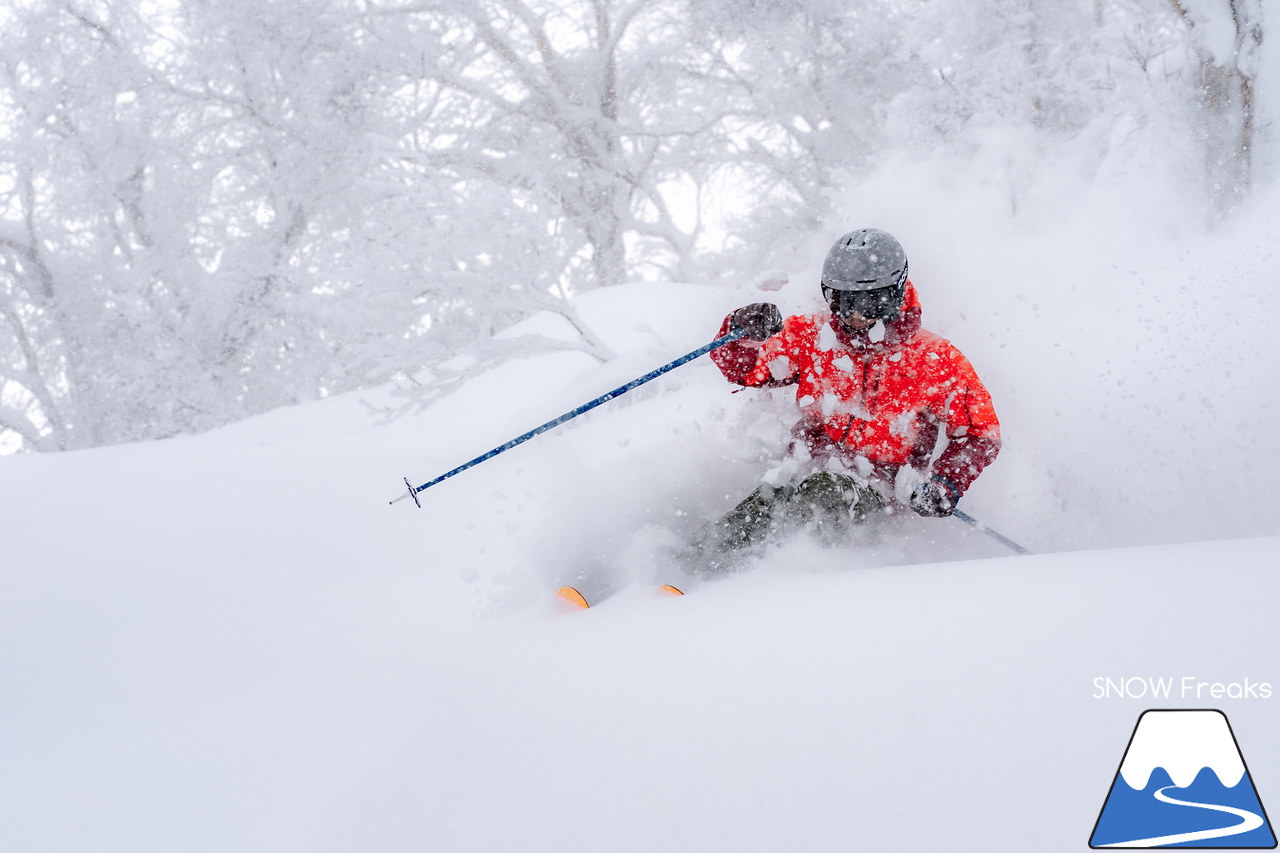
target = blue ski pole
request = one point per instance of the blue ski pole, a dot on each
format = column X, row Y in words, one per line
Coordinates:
column 568, row 416
column 977, row 525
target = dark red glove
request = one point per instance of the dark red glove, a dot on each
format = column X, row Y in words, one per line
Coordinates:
column 759, row 320
column 935, row 499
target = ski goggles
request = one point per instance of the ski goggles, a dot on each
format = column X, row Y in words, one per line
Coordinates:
column 882, row 303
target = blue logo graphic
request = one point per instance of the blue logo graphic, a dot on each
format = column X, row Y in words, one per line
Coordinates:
column 1183, row 783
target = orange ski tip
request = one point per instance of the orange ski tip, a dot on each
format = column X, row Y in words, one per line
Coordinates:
column 572, row 596
column 669, row 589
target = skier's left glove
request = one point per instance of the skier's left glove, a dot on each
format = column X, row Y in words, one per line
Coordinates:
column 935, row 499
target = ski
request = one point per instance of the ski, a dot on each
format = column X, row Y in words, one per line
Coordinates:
column 571, row 595
column 577, row 599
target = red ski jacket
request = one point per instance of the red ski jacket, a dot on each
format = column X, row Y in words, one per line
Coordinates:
column 884, row 401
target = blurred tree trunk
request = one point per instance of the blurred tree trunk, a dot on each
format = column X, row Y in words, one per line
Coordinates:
column 1225, row 77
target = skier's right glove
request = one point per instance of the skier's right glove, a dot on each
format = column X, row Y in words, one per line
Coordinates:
column 759, row 320
column 935, row 499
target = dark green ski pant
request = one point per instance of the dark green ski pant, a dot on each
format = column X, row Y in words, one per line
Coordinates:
column 827, row 505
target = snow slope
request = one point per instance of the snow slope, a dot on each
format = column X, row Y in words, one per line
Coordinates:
column 231, row 642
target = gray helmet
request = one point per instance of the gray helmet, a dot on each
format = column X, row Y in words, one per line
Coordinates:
column 866, row 259
column 865, row 272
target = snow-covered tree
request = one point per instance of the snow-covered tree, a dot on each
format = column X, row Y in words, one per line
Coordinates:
column 597, row 116
column 818, row 79
column 212, row 207
column 165, row 174
column 84, row 248
column 1051, row 77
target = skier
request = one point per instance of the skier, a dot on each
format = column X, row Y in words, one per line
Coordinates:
column 889, row 413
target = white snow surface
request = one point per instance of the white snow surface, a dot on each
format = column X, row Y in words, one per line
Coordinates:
column 232, row 642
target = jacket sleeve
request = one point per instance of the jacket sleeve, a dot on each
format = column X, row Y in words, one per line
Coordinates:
column 972, row 430
column 742, row 360
column 736, row 360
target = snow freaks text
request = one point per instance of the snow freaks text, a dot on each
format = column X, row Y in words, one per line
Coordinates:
column 1185, row 687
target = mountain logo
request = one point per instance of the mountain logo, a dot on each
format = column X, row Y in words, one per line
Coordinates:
column 1183, row 783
